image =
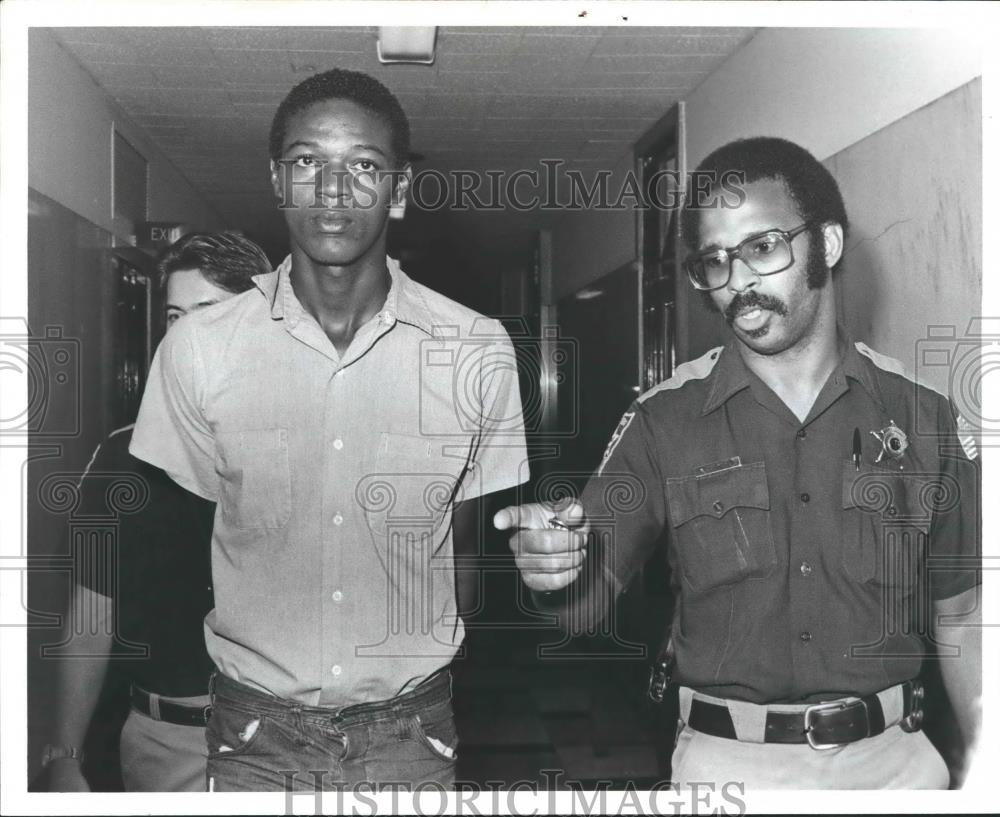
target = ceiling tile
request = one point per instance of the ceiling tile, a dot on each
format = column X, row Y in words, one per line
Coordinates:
column 105, row 52
column 268, row 38
column 188, row 76
column 661, row 44
column 634, row 64
column 119, row 76
column 455, row 41
column 306, row 63
column 591, row 81
column 165, row 37
column 260, row 59
column 88, row 34
column 335, row 40
column 172, row 55
column 559, row 44
column 449, row 62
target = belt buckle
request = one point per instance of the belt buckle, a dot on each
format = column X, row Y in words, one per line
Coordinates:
column 814, row 711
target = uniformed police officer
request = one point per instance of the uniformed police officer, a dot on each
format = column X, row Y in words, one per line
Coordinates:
column 816, row 529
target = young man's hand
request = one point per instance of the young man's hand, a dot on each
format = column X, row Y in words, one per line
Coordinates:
column 549, row 541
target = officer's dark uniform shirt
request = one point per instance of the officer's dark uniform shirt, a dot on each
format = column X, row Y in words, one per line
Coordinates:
column 162, row 586
column 799, row 577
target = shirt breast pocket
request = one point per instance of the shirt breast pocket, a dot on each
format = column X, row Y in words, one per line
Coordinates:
column 720, row 524
column 255, row 491
column 411, row 484
column 887, row 516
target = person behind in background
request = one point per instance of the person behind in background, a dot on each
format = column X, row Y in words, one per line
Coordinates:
column 347, row 420
column 156, row 593
column 816, row 532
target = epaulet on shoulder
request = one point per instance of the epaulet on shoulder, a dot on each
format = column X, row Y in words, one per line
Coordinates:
column 893, row 366
column 697, row 369
column 884, row 362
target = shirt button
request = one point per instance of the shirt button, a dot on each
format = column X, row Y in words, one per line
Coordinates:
column 804, row 497
column 335, row 669
column 805, row 568
column 337, row 595
column 718, row 506
column 801, row 433
column 338, row 444
column 338, row 519
column 805, row 635
column 388, row 318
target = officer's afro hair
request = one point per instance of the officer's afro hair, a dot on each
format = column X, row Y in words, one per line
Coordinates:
column 810, row 185
column 360, row 88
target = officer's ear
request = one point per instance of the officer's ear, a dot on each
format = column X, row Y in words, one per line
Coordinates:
column 401, row 180
column 833, row 243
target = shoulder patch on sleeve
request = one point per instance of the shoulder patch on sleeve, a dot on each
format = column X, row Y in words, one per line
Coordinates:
column 615, row 439
column 967, row 437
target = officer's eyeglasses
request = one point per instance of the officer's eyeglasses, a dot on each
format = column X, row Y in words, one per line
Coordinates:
column 765, row 253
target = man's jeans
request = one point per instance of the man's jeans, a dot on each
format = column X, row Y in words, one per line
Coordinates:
column 257, row 742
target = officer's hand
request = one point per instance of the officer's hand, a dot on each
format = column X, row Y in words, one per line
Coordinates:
column 65, row 774
column 549, row 557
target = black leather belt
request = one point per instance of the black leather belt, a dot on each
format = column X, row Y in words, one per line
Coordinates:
column 823, row 725
column 180, row 714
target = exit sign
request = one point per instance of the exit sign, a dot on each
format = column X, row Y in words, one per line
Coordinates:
column 159, row 234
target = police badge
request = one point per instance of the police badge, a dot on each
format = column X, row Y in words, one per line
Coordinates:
column 894, row 441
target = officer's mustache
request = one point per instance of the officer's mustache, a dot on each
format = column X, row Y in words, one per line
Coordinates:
column 753, row 299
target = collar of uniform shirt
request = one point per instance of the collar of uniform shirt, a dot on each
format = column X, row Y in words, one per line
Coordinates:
column 404, row 301
column 731, row 374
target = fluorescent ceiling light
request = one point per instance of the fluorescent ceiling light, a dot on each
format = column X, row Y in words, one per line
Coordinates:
column 406, row 44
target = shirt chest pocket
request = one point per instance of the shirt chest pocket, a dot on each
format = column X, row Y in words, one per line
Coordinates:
column 411, row 484
column 887, row 516
column 720, row 525
column 255, row 486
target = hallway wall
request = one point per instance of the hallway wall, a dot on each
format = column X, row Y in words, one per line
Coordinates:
column 71, row 122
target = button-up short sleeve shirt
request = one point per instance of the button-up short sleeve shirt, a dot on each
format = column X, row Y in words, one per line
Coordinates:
column 336, row 477
column 800, row 573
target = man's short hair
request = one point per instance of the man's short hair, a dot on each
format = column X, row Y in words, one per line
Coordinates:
column 339, row 83
column 227, row 259
column 810, row 185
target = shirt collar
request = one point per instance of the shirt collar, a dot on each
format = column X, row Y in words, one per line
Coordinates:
column 731, row 374
column 405, row 301
column 857, row 367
